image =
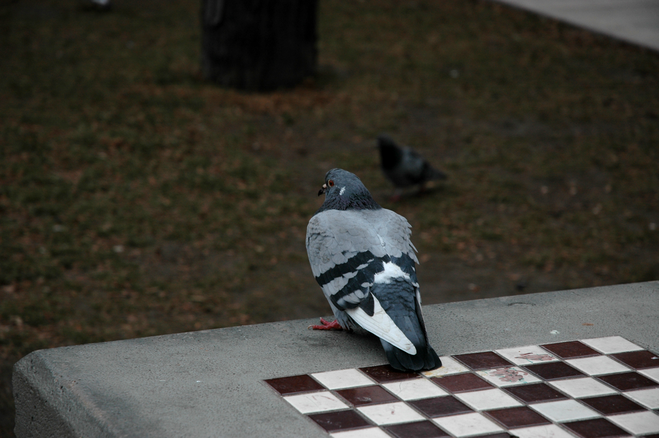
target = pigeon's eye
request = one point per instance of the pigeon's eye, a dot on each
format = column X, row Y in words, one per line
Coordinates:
column 330, row 183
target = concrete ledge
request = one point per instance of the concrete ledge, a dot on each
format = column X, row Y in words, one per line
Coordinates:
column 210, row 383
column 633, row 21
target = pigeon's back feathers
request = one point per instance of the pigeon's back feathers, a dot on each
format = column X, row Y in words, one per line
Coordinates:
column 348, row 248
column 362, row 258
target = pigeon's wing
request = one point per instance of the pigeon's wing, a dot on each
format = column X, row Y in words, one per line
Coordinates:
column 395, row 231
column 396, row 234
column 346, row 252
column 397, row 291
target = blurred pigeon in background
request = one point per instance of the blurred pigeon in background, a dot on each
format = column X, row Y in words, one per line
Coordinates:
column 362, row 258
column 404, row 167
column 101, row 5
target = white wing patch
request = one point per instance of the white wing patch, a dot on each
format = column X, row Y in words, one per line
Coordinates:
column 391, row 270
column 382, row 326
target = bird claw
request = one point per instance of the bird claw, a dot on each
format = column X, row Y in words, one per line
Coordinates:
column 326, row 325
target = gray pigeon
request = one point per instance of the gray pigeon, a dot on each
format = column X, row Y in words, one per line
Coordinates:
column 364, row 261
column 101, row 5
column 403, row 166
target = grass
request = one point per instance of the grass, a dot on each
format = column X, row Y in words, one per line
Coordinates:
column 136, row 200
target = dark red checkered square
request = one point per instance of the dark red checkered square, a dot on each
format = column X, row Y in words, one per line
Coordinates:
column 341, row 420
column 535, row 392
column 384, row 373
column 421, row 429
column 612, row 404
column 638, row 359
column 597, row 428
column 553, row 370
column 441, row 406
column 483, row 361
column 570, row 350
column 627, row 381
column 517, row 417
column 294, row 384
column 462, row 382
column 366, row 395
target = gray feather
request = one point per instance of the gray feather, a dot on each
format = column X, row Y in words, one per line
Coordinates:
column 334, row 237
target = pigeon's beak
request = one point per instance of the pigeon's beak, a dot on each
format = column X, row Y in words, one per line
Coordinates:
column 322, row 190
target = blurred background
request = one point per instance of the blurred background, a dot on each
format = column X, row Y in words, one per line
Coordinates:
column 137, row 199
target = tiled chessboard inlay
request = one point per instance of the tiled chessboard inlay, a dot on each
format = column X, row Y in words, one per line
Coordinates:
column 591, row 388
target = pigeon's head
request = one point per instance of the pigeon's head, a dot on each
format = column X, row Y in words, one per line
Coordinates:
column 384, row 141
column 345, row 191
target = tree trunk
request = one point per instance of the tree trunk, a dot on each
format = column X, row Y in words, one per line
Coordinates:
column 258, row 45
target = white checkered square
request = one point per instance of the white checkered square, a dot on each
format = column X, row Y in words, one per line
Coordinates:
column 488, row 399
column 467, row 424
column 564, row 410
column 508, row 376
column 390, row 413
column 322, row 401
column 449, row 366
column 652, row 373
column 414, row 389
column 527, row 355
column 647, row 397
column 582, row 387
column 369, row 432
column 341, row 379
column 597, row 365
column 611, row 344
column 638, row 423
column 546, row 431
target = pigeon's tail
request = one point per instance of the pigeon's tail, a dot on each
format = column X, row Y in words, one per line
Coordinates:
column 399, row 298
column 424, row 359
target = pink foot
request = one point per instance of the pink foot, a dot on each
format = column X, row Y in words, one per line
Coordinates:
column 326, row 325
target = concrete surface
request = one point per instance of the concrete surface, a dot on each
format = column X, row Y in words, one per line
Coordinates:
column 210, row 383
column 632, row 21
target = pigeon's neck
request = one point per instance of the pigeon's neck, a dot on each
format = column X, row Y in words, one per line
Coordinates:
column 355, row 202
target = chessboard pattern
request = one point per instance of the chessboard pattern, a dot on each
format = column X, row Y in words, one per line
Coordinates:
column 590, row 388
